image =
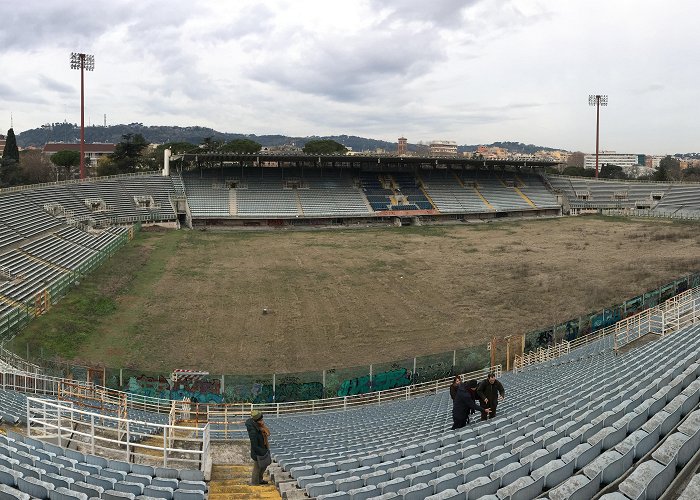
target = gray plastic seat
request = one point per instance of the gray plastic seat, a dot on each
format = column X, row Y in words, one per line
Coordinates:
column 10, row 493
column 158, row 492
column 416, row 492
column 181, row 494
column 648, row 480
column 117, row 495
column 34, row 487
column 523, row 488
column 577, row 487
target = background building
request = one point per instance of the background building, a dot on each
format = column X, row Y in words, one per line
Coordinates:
column 624, row 160
column 92, row 151
column 403, row 146
column 443, row 148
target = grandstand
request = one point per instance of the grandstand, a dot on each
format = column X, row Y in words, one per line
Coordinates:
column 582, row 436
column 664, row 199
column 242, row 195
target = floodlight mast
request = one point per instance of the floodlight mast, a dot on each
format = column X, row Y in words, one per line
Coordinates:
column 82, row 62
column 597, row 100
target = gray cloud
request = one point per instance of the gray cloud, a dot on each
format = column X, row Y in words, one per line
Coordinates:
column 444, row 14
column 53, row 85
column 353, row 67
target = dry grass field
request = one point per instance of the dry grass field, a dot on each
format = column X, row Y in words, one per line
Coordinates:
column 339, row 298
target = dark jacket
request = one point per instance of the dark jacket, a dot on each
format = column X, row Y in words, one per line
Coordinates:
column 257, row 440
column 464, row 401
column 453, row 391
column 490, row 391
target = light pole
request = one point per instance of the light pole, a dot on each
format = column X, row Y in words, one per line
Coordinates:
column 82, row 62
column 597, row 100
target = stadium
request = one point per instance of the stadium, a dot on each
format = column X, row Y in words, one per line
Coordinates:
column 364, row 284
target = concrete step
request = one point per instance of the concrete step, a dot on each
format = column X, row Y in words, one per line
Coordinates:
column 232, row 481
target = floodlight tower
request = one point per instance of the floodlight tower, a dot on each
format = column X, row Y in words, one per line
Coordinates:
column 597, row 100
column 83, row 62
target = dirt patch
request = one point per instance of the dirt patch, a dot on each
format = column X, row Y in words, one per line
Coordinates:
column 352, row 297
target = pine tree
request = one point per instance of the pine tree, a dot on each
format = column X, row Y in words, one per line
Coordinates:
column 11, row 151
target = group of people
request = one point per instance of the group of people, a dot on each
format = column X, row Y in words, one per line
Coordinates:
column 472, row 396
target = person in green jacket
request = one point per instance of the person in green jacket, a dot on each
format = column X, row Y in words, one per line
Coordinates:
column 259, row 445
column 490, row 392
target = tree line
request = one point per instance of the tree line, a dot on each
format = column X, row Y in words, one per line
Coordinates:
column 132, row 154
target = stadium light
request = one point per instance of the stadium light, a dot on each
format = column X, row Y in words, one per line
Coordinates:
column 83, row 62
column 597, row 100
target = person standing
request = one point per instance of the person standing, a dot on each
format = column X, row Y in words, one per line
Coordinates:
column 259, row 446
column 490, row 392
column 453, row 388
column 464, row 402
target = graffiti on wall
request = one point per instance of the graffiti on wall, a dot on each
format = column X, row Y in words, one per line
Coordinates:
column 379, row 382
column 200, row 391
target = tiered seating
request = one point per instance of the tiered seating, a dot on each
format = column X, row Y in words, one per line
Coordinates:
column 684, row 198
column 408, row 186
column 32, row 275
column 451, row 196
column 24, row 217
column 533, row 187
column 33, row 468
column 43, row 261
column 661, row 197
column 203, row 199
column 491, row 187
column 331, row 194
column 58, row 251
column 117, row 193
column 573, row 426
column 8, row 236
column 266, row 199
column 378, row 196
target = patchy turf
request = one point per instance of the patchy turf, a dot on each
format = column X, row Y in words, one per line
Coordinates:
column 339, row 298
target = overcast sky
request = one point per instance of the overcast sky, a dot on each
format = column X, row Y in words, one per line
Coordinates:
column 472, row 71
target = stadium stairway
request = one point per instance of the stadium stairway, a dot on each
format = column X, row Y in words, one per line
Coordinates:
column 517, row 190
column 230, row 482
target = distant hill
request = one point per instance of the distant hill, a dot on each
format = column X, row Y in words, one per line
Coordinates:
column 159, row 134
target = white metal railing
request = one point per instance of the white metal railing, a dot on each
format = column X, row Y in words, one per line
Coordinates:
column 541, row 354
column 16, row 362
column 675, row 313
column 62, row 423
column 33, row 383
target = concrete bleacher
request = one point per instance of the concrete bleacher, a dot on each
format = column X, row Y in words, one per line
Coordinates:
column 473, row 191
column 119, row 195
column 266, row 192
column 565, row 430
column 492, row 187
column 35, row 265
column 450, row 195
column 533, row 187
column 662, row 198
column 681, row 198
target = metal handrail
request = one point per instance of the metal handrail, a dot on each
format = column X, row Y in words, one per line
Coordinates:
column 617, row 329
column 62, row 420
